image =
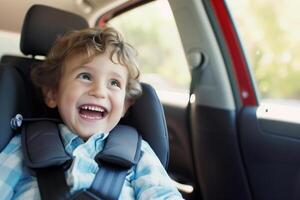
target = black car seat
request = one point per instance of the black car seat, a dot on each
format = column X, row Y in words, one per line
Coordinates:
column 41, row 27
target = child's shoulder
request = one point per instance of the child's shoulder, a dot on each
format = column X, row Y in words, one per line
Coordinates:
column 13, row 145
column 146, row 147
column 148, row 155
column 11, row 156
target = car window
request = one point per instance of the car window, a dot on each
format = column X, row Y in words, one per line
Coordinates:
column 151, row 29
column 9, row 43
column 270, row 33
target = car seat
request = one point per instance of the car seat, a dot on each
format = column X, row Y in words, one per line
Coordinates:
column 42, row 25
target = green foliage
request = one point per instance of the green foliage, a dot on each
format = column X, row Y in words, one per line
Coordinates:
column 152, row 31
column 269, row 31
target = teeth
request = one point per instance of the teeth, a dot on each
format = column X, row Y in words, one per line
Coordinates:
column 90, row 117
column 93, row 108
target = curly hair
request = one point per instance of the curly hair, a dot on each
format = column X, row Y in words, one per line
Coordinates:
column 89, row 43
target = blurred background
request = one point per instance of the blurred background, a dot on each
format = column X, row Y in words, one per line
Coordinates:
column 270, row 34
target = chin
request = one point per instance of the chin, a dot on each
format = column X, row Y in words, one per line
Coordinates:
column 92, row 132
column 85, row 136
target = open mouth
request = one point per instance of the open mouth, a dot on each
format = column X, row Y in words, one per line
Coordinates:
column 92, row 112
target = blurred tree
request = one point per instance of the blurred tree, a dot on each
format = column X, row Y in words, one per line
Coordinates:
column 270, row 34
column 151, row 29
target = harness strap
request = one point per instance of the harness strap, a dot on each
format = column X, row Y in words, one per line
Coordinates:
column 52, row 183
column 122, row 150
column 85, row 195
column 108, row 182
column 42, row 146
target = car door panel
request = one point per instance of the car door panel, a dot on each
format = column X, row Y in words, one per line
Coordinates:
column 271, row 152
column 217, row 154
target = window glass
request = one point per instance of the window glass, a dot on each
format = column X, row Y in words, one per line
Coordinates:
column 151, row 29
column 269, row 31
column 9, row 43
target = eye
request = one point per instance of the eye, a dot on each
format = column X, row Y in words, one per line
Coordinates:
column 115, row 83
column 84, row 76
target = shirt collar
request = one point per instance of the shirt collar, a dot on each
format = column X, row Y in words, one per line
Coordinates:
column 71, row 141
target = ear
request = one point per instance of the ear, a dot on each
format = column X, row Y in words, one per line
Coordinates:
column 127, row 104
column 50, row 97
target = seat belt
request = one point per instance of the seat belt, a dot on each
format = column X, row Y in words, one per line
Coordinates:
column 52, row 183
column 107, row 184
column 109, row 181
column 121, row 151
column 44, row 153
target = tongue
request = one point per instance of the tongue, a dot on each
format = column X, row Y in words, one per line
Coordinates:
column 90, row 113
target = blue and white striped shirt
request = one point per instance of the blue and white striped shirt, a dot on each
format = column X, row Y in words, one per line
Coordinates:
column 147, row 180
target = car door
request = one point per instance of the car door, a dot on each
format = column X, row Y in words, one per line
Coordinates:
column 244, row 103
column 269, row 132
column 267, row 119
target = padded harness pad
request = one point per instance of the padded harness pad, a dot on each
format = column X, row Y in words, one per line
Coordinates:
column 42, row 146
column 122, row 147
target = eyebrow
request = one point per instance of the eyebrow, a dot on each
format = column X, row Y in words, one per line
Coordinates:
column 118, row 75
column 84, row 66
column 80, row 66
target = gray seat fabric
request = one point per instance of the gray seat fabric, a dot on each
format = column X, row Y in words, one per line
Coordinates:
column 18, row 95
column 43, row 24
column 11, row 96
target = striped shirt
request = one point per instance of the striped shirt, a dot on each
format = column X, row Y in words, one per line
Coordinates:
column 147, row 180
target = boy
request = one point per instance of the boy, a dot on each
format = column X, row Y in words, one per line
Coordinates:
column 91, row 76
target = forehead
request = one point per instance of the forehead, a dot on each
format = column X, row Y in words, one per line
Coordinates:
column 93, row 62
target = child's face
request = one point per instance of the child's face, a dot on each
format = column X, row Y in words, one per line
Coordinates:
column 90, row 97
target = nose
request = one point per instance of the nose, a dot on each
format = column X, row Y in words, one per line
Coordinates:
column 98, row 90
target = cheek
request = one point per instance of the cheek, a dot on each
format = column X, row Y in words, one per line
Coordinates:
column 67, row 108
column 120, row 103
column 68, row 99
column 116, row 97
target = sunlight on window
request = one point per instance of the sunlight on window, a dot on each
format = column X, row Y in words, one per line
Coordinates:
column 269, row 31
column 161, row 57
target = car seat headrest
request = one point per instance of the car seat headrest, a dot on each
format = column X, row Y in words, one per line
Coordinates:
column 43, row 24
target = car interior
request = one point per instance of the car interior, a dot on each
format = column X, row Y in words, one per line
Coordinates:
column 215, row 138
column 27, row 100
